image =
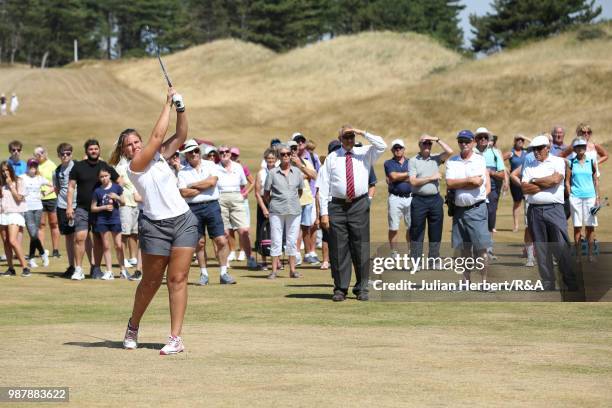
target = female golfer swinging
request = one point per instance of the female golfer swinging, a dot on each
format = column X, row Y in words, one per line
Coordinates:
column 167, row 228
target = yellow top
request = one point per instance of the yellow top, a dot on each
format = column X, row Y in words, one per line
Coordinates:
column 46, row 170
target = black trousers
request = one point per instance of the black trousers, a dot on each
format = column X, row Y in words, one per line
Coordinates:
column 430, row 210
column 549, row 229
column 493, row 199
column 349, row 243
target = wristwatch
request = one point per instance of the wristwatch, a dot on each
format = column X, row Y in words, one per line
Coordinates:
column 531, row 180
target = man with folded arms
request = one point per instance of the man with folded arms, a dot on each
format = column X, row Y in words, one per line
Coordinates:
column 345, row 209
column 197, row 183
column 543, row 185
column 467, row 175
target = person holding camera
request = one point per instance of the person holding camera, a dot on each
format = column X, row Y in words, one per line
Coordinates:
column 345, row 209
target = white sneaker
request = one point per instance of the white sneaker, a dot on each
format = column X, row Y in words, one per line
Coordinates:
column 241, row 256
column 133, row 261
column 231, row 257
column 298, row 259
column 126, row 263
column 530, row 263
column 78, row 274
column 124, row 274
column 32, row 263
column 45, row 258
column 108, row 275
column 130, row 340
column 174, row 346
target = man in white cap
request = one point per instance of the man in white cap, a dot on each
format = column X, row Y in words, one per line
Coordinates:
column 543, row 186
column 197, row 183
column 400, row 192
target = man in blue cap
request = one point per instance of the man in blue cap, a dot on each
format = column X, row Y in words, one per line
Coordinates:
column 468, row 177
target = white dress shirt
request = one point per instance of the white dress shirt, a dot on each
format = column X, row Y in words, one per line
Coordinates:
column 332, row 180
column 230, row 180
column 458, row 168
column 189, row 175
column 538, row 169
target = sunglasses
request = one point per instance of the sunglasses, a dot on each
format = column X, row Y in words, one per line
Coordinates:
column 539, row 148
column 293, row 148
column 211, row 153
column 587, row 132
column 482, row 137
column 223, row 151
column 397, row 147
column 65, row 154
column 15, row 150
column 195, row 151
column 286, row 154
column 464, row 141
column 427, row 142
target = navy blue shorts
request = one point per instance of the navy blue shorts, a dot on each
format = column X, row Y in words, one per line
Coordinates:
column 209, row 217
column 100, row 228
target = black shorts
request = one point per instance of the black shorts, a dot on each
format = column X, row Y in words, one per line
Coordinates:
column 62, row 221
column 517, row 193
column 49, row 205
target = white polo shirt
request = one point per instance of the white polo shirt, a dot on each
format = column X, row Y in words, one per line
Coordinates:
column 157, row 185
column 458, row 168
column 538, row 169
column 231, row 179
column 188, row 175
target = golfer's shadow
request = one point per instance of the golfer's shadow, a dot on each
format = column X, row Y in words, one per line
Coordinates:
column 112, row 344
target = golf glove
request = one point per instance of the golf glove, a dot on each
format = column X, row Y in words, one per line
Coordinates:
column 177, row 100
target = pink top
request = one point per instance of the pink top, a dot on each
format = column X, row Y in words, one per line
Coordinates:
column 8, row 201
column 247, row 173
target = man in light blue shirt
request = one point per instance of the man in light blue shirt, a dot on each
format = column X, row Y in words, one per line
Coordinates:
column 497, row 172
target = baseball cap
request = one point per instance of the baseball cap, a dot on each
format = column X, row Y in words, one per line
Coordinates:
column 297, row 136
column 235, row 150
column 482, row 130
column 333, row 145
column 291, row 143
column 465, row 134
column 399, row 142
column 539, row 140
column 577, row 142
column 33, row 163
column 189, row 145
column 275, row 142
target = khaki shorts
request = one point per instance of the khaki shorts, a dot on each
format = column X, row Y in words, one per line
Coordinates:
column 129, row 220
column 233, row 211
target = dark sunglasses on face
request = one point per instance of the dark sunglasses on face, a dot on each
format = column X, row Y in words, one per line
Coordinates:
column 397, row 147
column 195, row 151
column 482, row 137
column 66, row 154
column 427, row 143
column 293, row 148
column 223, row 151
column 285, row 154
column 587, row 132
column 539, row 148
column 464, row 141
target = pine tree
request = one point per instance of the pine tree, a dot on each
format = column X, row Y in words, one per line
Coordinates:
column 516, row 21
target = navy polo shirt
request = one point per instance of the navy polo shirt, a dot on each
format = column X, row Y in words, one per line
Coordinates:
column 400, row 188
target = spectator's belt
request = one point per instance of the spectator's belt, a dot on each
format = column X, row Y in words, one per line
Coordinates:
column 544, row 205
column 202, row 202
column 403, row 195
column 337, row 200
column 469, row 207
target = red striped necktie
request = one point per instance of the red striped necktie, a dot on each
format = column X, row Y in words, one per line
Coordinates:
column 350, row 181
